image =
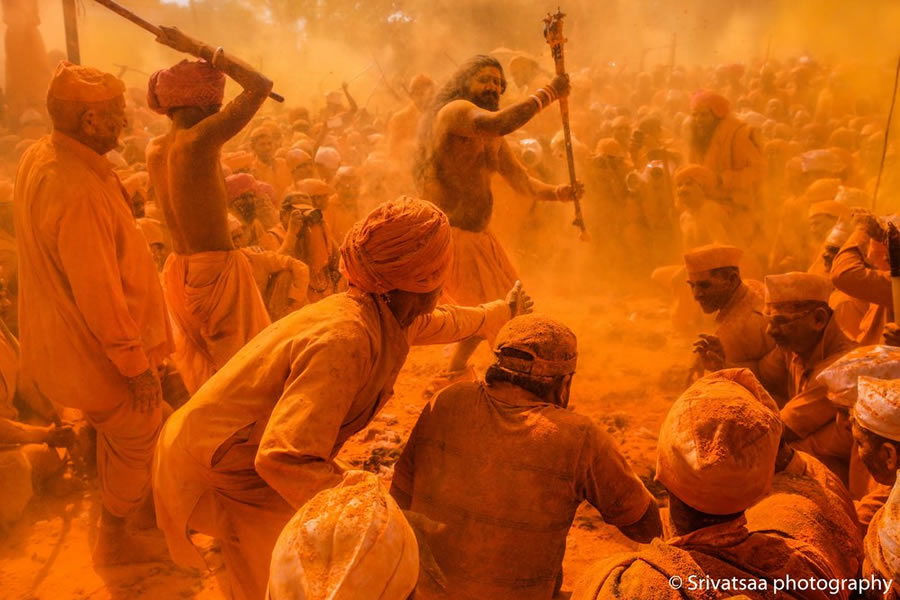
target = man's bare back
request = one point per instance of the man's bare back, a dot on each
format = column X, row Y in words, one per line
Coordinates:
column 184, row 164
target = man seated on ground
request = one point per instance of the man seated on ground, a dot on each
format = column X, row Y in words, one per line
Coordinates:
column 716, row 458
column 258, row 439
column 876, row 431
column 503, row 465
column 714, row 277
column 361, row 546
column 882, row 548
column 842, row 377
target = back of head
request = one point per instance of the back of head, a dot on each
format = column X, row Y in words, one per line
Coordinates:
column 189, row 84
column 535, row 353
column 348, row 542
column 718, row 443
column 403, row 244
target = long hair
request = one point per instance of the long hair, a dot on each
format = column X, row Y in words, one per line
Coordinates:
column 456, row 88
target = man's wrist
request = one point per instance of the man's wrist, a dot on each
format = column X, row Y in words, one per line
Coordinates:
column 207, row 53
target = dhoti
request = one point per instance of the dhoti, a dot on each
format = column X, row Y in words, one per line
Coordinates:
column 481, row 270
column 215, row 307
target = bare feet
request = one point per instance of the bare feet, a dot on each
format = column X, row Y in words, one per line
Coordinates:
column 116, row 545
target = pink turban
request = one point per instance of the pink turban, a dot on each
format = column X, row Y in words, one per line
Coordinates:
column 717, row 103
column 404, row 244
column 188, row 83
column 244, row 183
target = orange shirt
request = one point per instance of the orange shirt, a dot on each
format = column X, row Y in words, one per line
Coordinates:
column 91, row 305
column 741, row 327
column 279, row 411
column 505, row 472
column 278, row 175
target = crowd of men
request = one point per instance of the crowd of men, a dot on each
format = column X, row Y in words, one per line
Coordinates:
column 202, row 301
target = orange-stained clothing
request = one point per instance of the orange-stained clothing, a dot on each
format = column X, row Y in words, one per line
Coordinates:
column 505, row 471
column 340, row 218
column 876, row 563
column 871, row 503
column 265, row 263
column 734, row 155
column 808, row 502
column 741, row 327
column 852, row 274
column 480, row 270
column 92, row 310
column 720, row 552
column 269, row 423
column 216, row 308
column 277, row 174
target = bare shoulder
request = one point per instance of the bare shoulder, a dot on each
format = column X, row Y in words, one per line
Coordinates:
column 453, row 110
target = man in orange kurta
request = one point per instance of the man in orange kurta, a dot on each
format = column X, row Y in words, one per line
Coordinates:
column 93, row 324
column 266, row 166
column 716, row 459
column 259, row 439
column 212, row 297
column 503, row 466
column 730, row 149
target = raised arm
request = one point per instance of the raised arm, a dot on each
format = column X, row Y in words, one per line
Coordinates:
column 465, row 119
column 222, row 126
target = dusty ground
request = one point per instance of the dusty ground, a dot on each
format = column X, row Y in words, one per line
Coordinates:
column 630, row 370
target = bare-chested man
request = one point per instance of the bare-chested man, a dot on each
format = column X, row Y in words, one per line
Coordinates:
column 215, row 305
column 461, row 147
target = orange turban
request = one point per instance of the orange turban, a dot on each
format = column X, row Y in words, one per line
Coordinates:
column 296, row 157
column 699, row 174
column 823, row 190
column 189, row 83
column 717, row 445
column 74, row 83
column 717, row 103
column 404, row 244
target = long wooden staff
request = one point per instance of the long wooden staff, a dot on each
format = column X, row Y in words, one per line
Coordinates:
column 553, row 33
column 887, row 137
column 148, row 26
column 893, row 244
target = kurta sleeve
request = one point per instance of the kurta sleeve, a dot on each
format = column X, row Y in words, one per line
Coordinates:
column 808, row 411
column 454, row 323
column 749, row 165
column 608, row 482
column 851, row 274
column 296, row 448
column 86, row 242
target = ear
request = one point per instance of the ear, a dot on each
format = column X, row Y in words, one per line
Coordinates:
column 889, row 455
column 89, row 121
column 821, row 317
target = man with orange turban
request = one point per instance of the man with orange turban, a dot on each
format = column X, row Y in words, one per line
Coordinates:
column 259, row 439
column 702, row 220
column 714, row 277
column 503, row 465
column 95, row 328
column 212, row 298
column 716, row 459
column 460, row 148
column 731, row 150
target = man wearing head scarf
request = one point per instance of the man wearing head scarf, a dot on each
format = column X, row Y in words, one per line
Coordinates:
column 714, row 277
column 266, row 166
column 461, row 146
column 716, row 459
column 213, row 301
column 95, row 329
column 732, row 151
column 350, row 541
column 875, row 419
column 702, row 220
column 808, row 339
column 842, row 379
column 503, row 465
column 259, row 439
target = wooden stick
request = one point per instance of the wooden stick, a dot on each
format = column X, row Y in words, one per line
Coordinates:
column 553, row 35
column 893, row 244
column 148, row 26
column 73, row 50
column 887, row 137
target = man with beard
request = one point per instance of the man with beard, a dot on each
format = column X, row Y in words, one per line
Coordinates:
column 730, row 149
column 461, row 146
column 209, row 285
column 714, row 277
